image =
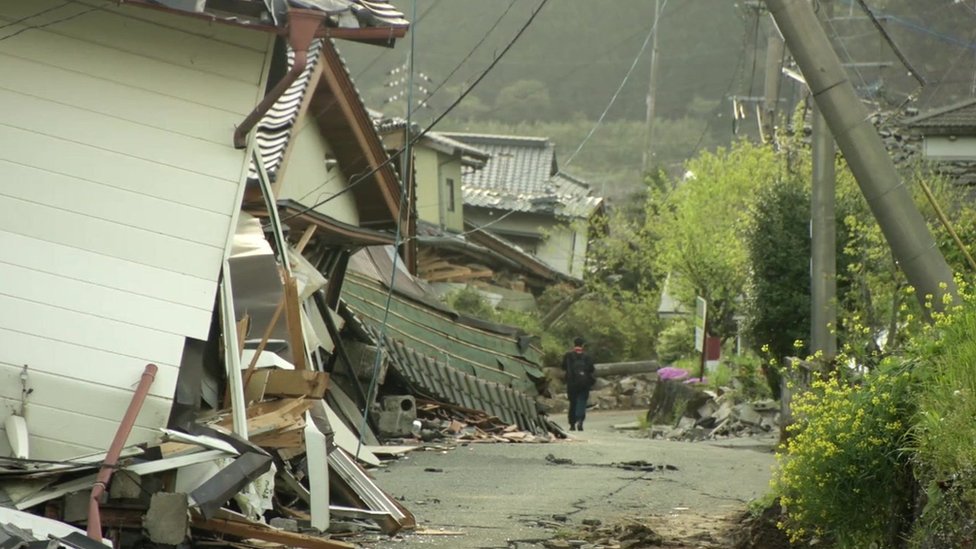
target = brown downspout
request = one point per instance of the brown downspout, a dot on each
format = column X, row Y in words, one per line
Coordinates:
column 112, row 458
column 302, row 26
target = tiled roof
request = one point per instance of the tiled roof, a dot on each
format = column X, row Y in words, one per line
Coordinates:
column 950, row 118
column 275, row 127
column 518, row 165
column 522, row 176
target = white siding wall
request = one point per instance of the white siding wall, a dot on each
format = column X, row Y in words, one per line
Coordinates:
column 307, row 180
column 118, row 185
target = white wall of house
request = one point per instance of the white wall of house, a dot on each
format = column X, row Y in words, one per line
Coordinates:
column 552, row 240
column 437, row 173
column 119, row 188
column 429, row 193
column 453, row 199
column 950, row 148
column 309, row 180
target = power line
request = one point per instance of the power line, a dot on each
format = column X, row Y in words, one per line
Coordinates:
column 48, row 24
column 475, row 48
column 38, row 14
column 623, row 82
column 440, row 117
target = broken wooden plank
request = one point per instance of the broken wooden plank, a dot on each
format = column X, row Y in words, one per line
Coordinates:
column 251, row 530
column 293, row 316
column 296, row 383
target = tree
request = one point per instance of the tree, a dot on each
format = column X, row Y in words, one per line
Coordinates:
column 701, row 223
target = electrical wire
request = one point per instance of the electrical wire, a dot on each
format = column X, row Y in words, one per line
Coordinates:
column 475, row 48
column 404, row 198
column 623, row 82
column 48, row 24
column 425, row 131
column 38, row 14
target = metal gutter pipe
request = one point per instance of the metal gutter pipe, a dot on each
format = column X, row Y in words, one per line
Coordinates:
column 891, row 203
column 302, row 26
column 112, row 457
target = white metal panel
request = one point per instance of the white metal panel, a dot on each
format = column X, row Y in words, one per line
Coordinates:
column 115, row 205
column 148, row 143
column 80, row 231
column 84, row 161
column 120, row 187
column 99, row 301
column 183, row 80
column 79, row 429
column 151, row 35
column 51, row 391
column 125, row 102
column 110, row 272
column 50, row 322
column 79, row 363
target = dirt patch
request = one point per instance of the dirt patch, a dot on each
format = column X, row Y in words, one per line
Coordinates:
column 760, row 532
column 678, row 530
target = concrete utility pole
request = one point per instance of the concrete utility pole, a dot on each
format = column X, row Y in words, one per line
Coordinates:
column 823, row 233
column 774, row 59
column 648, row 157
column 904, row 228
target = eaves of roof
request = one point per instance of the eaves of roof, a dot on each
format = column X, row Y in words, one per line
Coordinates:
column 951, row 119
column 371, row 21
column 344, row 121
column 330, row 231
column 513, row 253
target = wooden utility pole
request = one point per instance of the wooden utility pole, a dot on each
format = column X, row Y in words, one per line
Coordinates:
column 648, row 158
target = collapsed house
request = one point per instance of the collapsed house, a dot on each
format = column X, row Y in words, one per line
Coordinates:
column 185, row 185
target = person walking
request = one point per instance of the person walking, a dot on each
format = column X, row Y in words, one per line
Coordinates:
column 579, row 379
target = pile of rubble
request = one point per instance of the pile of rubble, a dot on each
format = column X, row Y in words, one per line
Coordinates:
column 615, row 392
column 708, row 414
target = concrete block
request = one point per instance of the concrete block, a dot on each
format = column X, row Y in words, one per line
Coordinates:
column 395, row 424
column 746, row 414
column 76, row 507
column 286, row 524
column 168, row 519
column 125, row 485
column 400, row 403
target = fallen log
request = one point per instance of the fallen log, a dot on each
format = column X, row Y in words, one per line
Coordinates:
column 626, row 368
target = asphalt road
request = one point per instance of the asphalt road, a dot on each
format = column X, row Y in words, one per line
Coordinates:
column 507, row 495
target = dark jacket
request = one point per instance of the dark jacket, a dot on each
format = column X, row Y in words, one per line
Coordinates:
column 589, row 371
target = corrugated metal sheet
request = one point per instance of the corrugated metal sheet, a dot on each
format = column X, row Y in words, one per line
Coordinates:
column 490, row 356
column 437, row 379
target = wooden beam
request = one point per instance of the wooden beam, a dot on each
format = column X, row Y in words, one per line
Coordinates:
column 296, row 383
column 293, row 314
column 250, row 530
column 306, row 237
column 264, row 341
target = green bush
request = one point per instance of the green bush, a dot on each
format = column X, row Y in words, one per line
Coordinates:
column 944, row 433
column 843, row 475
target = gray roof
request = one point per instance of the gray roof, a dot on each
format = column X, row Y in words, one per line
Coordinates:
column 949, row 119
column 522, row 175
column 518, row 165
column 275, row 127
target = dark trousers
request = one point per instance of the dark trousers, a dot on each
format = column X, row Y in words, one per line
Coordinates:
column 577, row 404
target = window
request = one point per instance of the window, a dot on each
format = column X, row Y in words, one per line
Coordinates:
column 449, row 183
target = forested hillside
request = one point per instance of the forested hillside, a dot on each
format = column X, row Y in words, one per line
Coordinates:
column 560, row 76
